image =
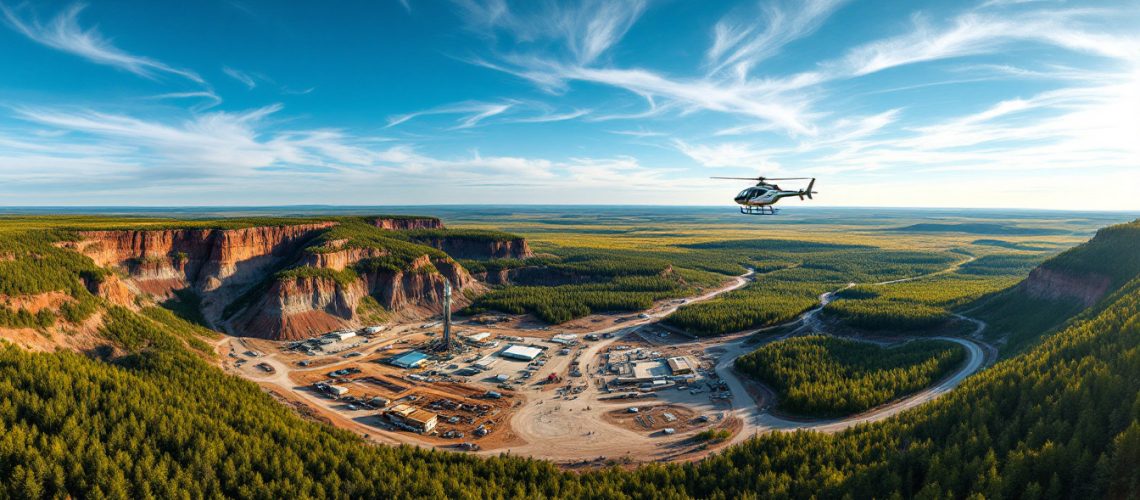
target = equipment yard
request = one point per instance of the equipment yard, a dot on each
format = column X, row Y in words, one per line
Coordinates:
column 573, row 395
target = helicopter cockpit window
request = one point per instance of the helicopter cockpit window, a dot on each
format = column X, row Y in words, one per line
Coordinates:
column 751, row 192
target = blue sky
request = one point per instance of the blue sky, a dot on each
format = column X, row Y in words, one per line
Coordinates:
column 998, row 103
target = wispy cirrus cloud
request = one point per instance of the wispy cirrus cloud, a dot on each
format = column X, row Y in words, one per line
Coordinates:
column 472, row 112
column 241, row 76
column 223, row 151
column 728, row 154
column 786, row 102
column 64, row 33
column 742, row 40
column 475, row 113
column 975, row 33
column 587, row 29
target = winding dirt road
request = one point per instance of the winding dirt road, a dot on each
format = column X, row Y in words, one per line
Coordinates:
column 575, row 429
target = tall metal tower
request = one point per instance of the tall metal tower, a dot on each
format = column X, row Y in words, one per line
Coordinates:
column 446, row 315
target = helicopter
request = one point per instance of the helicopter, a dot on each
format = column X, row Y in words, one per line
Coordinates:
column 758, row 199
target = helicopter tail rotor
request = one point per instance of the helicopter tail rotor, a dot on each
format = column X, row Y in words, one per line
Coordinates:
column 808, row 192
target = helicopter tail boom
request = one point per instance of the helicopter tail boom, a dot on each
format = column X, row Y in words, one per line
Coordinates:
column 808, row 192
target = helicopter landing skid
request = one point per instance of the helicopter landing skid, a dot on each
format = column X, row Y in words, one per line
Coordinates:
column 763, row 210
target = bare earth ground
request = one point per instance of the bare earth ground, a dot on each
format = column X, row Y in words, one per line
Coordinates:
column 585, row 428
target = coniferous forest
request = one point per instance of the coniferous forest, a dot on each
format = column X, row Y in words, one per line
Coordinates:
column 820, row 375
column 155, row 418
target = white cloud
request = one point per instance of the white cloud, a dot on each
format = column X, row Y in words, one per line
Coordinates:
column 242, row 77
column 94, row 154
column 973, row 33
column 727, row 154
column 742, row 41
column 65, row 34
column 553, row 117
column 208, row 97
column 473, row 112
column 587, row 28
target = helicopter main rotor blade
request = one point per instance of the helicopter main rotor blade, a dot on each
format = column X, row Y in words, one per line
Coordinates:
column 740, row 178
column 786, row 178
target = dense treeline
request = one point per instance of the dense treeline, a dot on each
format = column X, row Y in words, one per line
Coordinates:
column 31, row 262
column 765, row 302
column 1061, row 420
column 481, row 235
column 496, row 265
column 361, row 234
column 1113, row 252
column 781, row 294
column 1018, row 318
column 888, row 315
column 562, row 303
column 579, row 282
column 925, row 303
column 164, row 424
column 798, row 271
column 343, row 276
column 1003, row 264
column 820, row 375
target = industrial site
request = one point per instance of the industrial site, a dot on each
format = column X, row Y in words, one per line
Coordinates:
column 493, row 383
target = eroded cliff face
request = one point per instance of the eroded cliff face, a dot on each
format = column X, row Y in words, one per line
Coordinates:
column 160, row 261
column 462, row 248
column 1045, row 283
column 303, row 307
column 404, row 224
column 222, row 265
column 300, row 308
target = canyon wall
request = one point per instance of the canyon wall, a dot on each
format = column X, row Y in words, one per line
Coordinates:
column 224, row 265
column 204, row 259
column 465, row 248
column 407, row 223
column 299, row 308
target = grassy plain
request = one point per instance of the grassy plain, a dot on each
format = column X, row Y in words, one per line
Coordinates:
column 797, row 255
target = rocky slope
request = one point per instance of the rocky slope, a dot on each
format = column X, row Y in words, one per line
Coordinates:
column 407, row 223
column 300, row 307
column 465, row 248
column 235, row 273
column 1054, row 285
column 1062, row 287
column 1089, row 271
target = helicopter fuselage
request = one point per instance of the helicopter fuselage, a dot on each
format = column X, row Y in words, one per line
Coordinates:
column 761, row 196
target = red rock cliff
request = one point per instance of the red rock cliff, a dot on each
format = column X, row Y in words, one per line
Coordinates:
column 404, row 224
column 205, row 259
column 467, row 248
column 222, row 265
column 303, row 307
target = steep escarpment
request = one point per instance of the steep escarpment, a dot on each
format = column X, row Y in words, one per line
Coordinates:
column 159, row 261
column 478, row 248
column 1064, row 285
column 1059, row 285
column 292, row 280
column 305, row 301
column 406, row 223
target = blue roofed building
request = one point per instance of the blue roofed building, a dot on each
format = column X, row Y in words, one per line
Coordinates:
column 410, row 359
